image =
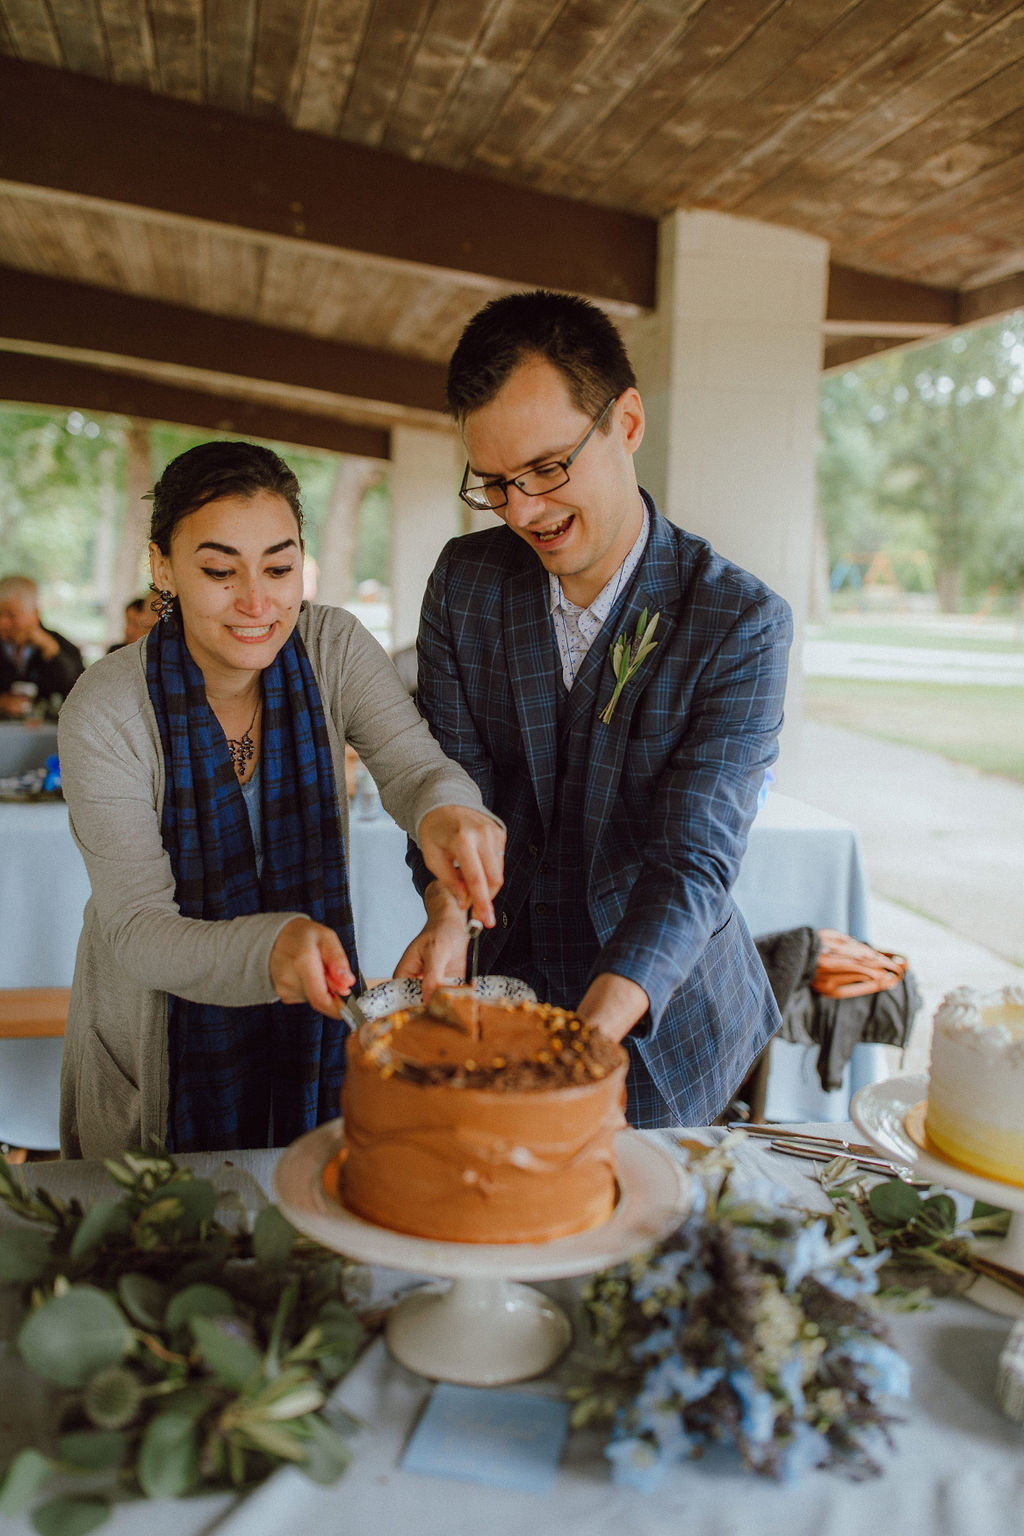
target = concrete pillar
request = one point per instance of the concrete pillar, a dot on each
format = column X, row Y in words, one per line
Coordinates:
column 426, row 468
column 729, row 366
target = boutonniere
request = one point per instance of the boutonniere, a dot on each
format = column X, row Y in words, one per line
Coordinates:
column 626, row 658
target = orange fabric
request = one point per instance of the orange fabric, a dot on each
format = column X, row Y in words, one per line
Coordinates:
column 848, row 968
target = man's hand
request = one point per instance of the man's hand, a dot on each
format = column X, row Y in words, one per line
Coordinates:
column 466, row 851
column 309, row 965
column 439, row 950
column 613, row 1004
column 47, row 645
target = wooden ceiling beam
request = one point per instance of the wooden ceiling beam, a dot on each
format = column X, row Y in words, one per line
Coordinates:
column 43, row 314
column 29, row 379
column 83, row 137
column 866, row 304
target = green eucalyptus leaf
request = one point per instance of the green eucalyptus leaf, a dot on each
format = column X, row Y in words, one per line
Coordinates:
column 327, row 1453
column 274, row 1439
column 25, row 1476
column 144, row 1299
column 70, row 1516
column 197, row 1199
column 894, row 1202
column 93, row 1450
column 69, row 1339
column 103, row 1222
column 343, row 1337
column 168, row 1464
column 233, row 1360
column 24, row 1254
column 939, row 1212
column 273, row 1237
column 197, row 1301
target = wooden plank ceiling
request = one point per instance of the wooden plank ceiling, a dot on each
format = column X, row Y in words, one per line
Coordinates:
column 275, row 216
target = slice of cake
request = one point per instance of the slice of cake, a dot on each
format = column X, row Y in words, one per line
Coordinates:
column 974, row 1113
column 481, row 1122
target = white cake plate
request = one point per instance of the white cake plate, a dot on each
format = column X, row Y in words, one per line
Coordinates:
column 484, row 1328
column 880, row 1110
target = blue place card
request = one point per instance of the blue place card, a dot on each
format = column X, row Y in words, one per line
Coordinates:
column 482, row 1435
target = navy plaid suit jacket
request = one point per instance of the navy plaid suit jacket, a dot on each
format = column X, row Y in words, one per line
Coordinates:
column 673, row 780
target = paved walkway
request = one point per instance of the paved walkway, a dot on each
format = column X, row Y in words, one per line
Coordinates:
column 944, row 850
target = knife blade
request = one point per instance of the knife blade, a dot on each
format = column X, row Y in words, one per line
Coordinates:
column 474, row 927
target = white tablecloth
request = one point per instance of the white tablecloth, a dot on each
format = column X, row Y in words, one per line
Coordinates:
column 956, row 1467
column 24, row 746
column 43, row 891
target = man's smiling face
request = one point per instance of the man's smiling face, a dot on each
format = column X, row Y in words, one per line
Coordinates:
column 583, row 531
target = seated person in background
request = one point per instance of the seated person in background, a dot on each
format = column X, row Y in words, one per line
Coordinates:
column 40, row 660
column 139, row 617
column 204, row 773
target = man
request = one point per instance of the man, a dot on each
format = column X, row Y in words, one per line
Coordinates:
column 627, row 806
column 139, row 618
column 38, row 659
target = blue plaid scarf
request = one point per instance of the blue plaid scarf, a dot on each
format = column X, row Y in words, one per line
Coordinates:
column 249, row 1076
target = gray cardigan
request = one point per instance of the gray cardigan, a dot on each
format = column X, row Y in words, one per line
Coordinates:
column 135, row 946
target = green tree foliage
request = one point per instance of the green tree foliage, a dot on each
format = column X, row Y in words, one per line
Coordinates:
column 63, row 489
column 923, row 449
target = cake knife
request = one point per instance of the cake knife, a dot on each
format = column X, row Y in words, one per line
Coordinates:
column 474, row 927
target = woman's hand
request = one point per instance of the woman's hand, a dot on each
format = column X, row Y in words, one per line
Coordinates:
column 309, row 965
column 466, row 851
column 439, row 950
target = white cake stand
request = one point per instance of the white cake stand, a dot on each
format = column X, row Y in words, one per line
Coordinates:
column 880, row 1110
column 484, row 1328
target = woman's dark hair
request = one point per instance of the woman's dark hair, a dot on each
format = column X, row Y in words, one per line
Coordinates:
column 569, row 332
column 212, row 470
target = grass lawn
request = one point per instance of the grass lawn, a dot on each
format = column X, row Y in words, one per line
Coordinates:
column 981, row 726
column 921, row 635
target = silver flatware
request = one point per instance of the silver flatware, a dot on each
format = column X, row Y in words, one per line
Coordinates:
column 474, row 927
column 804, row 1138
column 351, row 1012
column 825, row 1155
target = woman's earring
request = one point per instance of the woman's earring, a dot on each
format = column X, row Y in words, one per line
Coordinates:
column 165, row 603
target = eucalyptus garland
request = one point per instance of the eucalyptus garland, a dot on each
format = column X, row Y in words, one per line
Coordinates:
column 178, row 1352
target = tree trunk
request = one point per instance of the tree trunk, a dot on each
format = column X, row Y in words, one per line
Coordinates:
column 341, row 527
column 128, row 578
column 947, row 587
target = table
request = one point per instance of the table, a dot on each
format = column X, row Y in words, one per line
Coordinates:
column 956, row 1467
column 43, row 891
column 23, row 747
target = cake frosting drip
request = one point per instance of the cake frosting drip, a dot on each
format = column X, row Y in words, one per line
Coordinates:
column 975, row 1108
column 482, row 1122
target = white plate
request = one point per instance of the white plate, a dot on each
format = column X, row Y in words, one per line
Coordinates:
column 405, row 992
column 880, row 1110
column 655, row 1193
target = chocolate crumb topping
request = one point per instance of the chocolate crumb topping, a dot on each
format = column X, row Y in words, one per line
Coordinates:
column 567, row 1051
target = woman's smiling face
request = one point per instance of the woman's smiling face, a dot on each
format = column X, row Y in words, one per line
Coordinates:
column 236, row 567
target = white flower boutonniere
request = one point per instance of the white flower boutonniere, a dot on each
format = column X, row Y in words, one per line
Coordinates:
column 626, row 658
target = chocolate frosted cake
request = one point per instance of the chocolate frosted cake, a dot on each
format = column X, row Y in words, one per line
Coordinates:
column 481, row 1122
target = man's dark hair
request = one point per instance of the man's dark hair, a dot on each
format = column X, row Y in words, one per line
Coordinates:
column 212, row 470
column 569, row 332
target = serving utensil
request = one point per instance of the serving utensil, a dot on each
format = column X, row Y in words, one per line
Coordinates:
column 804, row 1138
column 474, row 927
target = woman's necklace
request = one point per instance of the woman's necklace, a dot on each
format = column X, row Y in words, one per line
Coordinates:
column 242, row 752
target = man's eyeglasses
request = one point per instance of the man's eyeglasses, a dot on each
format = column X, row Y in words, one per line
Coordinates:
column 492, row 495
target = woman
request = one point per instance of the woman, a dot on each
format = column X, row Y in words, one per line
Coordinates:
column 201, row 768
